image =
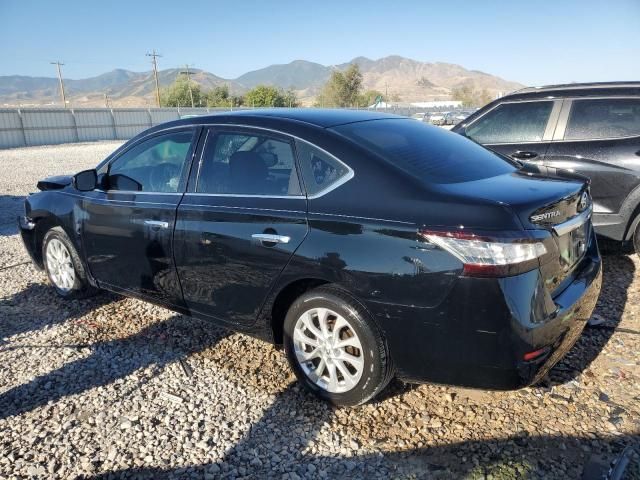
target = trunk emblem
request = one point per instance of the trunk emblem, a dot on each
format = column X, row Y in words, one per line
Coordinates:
column 584, row 202
column 545, row 216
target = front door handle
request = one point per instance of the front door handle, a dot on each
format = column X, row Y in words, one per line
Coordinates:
column 524, row 155
column 156, row 224
column 271, row 238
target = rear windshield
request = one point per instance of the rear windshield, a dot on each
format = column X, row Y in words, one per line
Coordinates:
column 429, row 153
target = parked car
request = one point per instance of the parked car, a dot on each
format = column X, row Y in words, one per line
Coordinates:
column 369, row 245
column 592, row 129
column 437, row 118
column 420, row 116
column 456, row 117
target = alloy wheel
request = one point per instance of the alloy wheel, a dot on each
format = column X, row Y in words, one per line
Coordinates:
column 328, row 350
column 60, row 265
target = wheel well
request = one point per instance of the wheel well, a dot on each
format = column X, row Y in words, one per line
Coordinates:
column 634, row 218
column 43, row 225
column 283, row 301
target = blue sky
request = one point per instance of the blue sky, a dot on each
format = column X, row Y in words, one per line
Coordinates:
column 532, row 42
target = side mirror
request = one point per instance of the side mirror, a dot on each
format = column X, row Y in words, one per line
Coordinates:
column 86, row 180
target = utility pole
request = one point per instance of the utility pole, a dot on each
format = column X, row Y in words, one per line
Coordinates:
column 187, row 73
column 153, row 56
column 64, row 99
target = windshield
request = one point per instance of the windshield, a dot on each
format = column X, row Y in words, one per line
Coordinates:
column 429, row 153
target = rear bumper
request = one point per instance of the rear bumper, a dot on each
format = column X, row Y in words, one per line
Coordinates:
column 479, row 335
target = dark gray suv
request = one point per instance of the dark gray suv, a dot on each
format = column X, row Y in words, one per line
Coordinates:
column 592, row 129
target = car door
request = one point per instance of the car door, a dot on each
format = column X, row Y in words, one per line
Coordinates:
column 519, row 129
column 128, row 226
column 600, row 138
column 243, row 217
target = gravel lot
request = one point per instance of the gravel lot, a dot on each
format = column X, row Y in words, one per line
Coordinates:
column 112, row 387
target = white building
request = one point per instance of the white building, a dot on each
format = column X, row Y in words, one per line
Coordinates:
column 438, row 104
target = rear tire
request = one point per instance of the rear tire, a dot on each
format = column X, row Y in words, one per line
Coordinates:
column 63, row 266
column 348, row 366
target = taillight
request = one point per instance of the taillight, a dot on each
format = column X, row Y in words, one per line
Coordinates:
column 490, row 255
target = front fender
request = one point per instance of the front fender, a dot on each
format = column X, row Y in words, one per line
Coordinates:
column 49, row 209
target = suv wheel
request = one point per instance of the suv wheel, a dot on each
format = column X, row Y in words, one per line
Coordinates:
column 334, row 347
column 63, row 265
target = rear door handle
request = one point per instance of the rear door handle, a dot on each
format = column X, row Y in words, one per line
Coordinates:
column 271, row 238
column 524, row 155
column 156, row 224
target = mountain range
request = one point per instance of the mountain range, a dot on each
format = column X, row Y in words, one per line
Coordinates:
column 402, row 78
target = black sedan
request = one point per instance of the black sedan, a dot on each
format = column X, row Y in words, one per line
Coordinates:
column 369, row 245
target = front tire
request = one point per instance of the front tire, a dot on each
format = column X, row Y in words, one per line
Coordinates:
column 63, row 266
column 335, row 348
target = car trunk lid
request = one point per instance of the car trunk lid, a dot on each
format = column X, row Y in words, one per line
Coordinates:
column 561, row 205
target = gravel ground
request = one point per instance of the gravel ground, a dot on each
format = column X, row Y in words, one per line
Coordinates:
column 112, row 387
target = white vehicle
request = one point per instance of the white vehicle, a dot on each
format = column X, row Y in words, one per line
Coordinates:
column 437, row 118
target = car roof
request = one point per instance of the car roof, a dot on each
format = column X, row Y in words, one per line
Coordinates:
column 320, row 117
column 578, row 90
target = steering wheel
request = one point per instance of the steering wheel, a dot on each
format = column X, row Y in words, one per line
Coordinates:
column 163, row 176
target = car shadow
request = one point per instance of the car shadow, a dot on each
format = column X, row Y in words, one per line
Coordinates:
column 618, row 275
column 284, row 439
column 159, row 344
column 38, row 306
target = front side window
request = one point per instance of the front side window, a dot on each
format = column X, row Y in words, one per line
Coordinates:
column 603, row 118
column 248, row 164
column 155, row 165
column 320, row 171
column 512, row 123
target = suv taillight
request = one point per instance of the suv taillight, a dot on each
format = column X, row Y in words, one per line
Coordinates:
column 482, row 255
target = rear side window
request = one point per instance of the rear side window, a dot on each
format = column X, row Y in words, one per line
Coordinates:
column 429, row 153
column 320, row 171
column 248, row 164
column 603, row 118
column 512, row 123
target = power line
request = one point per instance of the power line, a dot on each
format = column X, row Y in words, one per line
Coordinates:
column 154, row 55
column 59, row 64
column 187, row 73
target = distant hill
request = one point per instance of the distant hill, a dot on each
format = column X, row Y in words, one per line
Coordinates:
column 298, row 74
column 407, row 79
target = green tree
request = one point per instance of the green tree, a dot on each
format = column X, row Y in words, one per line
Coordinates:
column 267, row 96
column 177, row 94
column 343, row 88
column 368, row 98
column 290, row 98
column 218, row 97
